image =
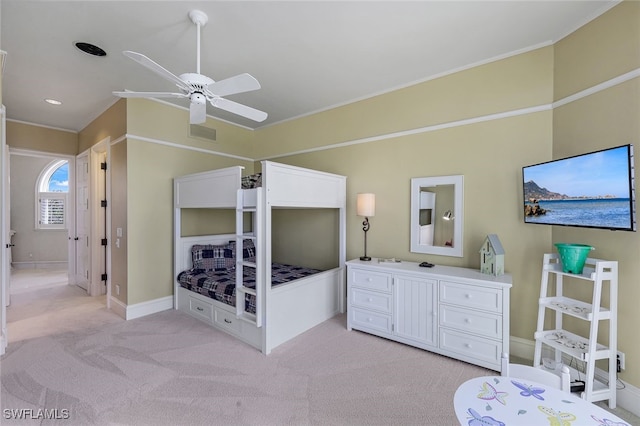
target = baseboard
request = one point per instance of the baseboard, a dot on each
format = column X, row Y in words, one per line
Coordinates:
column 118, row 307
column 143, row 309
column 628, row 397
column 58, row 265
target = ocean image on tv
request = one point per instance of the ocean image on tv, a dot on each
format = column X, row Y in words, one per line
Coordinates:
column 601, row 213
column 590, row 190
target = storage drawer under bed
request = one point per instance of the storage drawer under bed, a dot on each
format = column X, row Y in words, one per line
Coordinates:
column 201, row 309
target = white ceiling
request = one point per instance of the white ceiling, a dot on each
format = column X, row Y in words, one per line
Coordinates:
column 308, row 56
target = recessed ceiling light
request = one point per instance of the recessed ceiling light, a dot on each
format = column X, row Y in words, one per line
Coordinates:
column 53, row 102
column 89, row 48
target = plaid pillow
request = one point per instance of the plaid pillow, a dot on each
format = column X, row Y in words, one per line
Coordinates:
column 213, row 258
column 248, row 251
column 252, row 181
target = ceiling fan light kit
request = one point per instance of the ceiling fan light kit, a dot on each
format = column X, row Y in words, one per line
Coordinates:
column 198, row 88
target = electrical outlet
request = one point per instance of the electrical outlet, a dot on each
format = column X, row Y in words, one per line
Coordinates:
column 620, row 361
column 117, row 290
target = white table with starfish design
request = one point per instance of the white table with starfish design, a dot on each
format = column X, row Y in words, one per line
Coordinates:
column 504, row 401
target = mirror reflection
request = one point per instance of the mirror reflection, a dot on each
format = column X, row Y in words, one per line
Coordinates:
column 436, row 215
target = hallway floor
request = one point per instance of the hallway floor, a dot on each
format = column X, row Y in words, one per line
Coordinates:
column 43, row 304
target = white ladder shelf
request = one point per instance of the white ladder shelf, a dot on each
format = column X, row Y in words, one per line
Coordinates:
column 582, row 348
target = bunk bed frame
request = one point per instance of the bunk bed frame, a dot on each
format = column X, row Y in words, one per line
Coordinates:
column 287, row 310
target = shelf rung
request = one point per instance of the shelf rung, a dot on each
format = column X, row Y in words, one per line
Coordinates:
column 246, row 290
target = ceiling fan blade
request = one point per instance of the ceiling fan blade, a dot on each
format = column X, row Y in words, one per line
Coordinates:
column 158, row 69
column 239, row 109
column 239, row 84
column 197, row 113
column 127, row 94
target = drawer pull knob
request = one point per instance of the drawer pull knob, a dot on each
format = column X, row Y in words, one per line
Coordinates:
column 467, row 320
column 369, row 279
column 467, row 345
column 468, row 296
column 370, row 299
column 227, row 321
column 370, row 319
column 199, row 308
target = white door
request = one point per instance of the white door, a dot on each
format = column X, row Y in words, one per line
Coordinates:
column 4, row 232
column 83, row 223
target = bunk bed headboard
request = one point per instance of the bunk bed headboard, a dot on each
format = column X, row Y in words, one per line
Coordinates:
column 299, row 187
column 212, row 189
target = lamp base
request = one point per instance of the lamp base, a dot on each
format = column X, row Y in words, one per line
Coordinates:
column 366, row 258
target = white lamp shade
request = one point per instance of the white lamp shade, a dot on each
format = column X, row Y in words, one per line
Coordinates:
column 366, row 205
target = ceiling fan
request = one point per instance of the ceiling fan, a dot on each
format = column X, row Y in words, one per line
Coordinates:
column 198, row 88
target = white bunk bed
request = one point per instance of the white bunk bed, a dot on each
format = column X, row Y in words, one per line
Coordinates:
column 281, row 312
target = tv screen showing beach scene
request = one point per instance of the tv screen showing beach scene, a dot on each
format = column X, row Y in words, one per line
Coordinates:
column 594, row 190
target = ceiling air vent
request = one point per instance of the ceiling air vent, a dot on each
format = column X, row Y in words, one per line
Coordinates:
column 202, row 132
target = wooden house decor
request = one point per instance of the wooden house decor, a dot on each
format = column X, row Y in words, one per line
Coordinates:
column 492, row 256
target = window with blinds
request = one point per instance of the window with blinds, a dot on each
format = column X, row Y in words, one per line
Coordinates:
column 51, row 197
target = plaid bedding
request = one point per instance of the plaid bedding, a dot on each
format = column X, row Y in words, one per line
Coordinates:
column 221, row 285
column 251, row 181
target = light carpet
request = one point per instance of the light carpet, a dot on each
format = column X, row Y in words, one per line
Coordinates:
column 169, row 369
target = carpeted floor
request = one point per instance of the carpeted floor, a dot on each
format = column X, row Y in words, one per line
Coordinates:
column 169, row 369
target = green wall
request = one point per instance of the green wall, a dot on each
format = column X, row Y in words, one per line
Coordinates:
column 606, row 49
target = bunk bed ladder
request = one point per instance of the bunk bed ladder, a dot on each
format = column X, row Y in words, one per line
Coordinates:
column 249, row 201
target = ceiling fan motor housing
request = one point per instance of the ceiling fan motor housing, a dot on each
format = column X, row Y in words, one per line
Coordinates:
column 198, row 98
column 197, row 82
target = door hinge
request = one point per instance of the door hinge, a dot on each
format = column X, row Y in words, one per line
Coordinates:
column 103, row 166
column 103, row 203
column 103, row 242
column 103, row 277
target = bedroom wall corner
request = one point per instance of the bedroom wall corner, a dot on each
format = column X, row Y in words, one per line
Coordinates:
column 111, row 123
column 601, row 51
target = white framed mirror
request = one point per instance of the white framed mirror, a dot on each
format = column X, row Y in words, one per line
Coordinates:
column 437, row 215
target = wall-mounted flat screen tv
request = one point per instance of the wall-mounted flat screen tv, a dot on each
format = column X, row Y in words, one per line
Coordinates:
column 593, row 190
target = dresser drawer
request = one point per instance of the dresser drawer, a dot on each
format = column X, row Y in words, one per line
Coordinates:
column 370, row 320
column 371, row 300
column 227, row 320
column 479, row 323
column 201, row 309
column 488, row 299
column 477, row 348
column 371, row 280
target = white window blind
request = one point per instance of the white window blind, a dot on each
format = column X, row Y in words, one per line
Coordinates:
column 52, row 209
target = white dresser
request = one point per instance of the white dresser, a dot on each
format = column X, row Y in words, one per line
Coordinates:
column 457, row 312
